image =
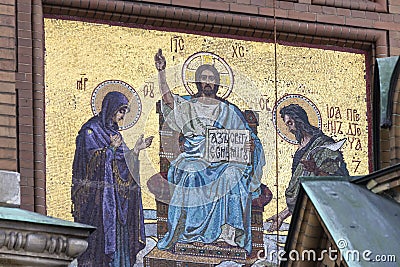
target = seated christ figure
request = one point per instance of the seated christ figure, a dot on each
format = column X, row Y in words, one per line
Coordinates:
column 210, row 201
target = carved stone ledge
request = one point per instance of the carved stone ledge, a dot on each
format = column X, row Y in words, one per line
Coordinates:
column 31, row 239
column 21, row 242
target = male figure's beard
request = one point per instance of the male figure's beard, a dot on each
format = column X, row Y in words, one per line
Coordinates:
column 298, row 135
column 208, row 90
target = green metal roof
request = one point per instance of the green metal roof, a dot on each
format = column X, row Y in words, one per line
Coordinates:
column 15, row 214
column 358, row 220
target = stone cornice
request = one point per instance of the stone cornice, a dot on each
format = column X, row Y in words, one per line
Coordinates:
column 40, row 243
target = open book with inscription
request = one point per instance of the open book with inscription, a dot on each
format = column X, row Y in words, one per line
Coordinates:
column 227, row 145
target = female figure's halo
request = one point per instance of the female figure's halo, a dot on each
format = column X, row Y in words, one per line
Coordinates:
column 135, row 105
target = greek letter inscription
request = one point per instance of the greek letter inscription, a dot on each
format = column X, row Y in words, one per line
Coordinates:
column 148, row 89
column 177, row 44
column 238, row 50
column 346, row 123
column 357, row 162
column 264, row 103
column 81, row 83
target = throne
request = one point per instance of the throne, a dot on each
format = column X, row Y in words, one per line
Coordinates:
column 189, row 254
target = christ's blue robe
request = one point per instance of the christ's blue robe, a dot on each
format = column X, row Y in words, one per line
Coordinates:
column 208, row 195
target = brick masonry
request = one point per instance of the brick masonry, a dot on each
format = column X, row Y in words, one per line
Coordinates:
column 8, row 118
column 373, row 26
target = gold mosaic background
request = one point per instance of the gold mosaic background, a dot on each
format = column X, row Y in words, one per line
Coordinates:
column 92, row 53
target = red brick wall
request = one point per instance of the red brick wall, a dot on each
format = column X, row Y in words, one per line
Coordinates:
column 21, row 98
column 369, row 25
column 8, row 116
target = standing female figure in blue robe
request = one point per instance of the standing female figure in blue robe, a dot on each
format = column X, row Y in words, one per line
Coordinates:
column 105, row 191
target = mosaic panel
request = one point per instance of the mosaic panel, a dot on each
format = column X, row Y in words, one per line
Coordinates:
column 84, row 60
